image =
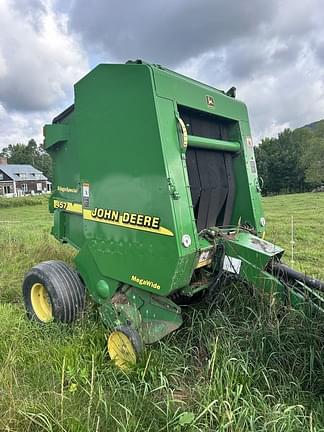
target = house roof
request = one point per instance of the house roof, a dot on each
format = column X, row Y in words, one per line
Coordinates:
column 13, row 171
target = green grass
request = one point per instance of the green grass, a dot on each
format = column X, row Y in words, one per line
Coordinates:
column 31, row 200
column 241, row 364
column 307, row 211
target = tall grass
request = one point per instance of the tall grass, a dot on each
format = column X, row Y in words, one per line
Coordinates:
column 23, row 201
column 238, row 364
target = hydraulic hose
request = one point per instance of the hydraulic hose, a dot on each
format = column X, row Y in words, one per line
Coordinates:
column 284, row 271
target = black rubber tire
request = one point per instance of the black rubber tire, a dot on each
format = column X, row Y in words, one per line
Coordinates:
column 134, row 337
column 64, row 288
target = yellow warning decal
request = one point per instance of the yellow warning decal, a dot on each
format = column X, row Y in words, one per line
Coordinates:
column 184, row 132
column 203, row 263
column 127, row 220
column 135, row 221
column 68, row 206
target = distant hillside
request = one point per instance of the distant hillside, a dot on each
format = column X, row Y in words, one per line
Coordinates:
column 314, row 125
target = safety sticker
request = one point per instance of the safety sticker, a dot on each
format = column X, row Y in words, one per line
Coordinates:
column 249, row 142
column 85, row 194
column 210, row 101
column 232, row 265
column 253, row 166
column 205, row 258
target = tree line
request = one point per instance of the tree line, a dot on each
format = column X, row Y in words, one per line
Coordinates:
column 30, row 154
column 292, row 162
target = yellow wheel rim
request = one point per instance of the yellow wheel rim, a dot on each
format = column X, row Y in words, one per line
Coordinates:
column 41, row 303
column 121, row 350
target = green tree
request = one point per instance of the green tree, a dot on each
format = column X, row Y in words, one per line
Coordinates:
column 313, row 160
column 280, row 161
column 30, row 154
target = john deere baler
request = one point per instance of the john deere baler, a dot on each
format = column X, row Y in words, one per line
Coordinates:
column 156, row 187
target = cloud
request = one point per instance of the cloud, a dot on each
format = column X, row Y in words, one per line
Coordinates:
column 272, row 51
column 20, row 127
column 39, row 61
column 319, row 51
column 294, row 100
column 166, row 31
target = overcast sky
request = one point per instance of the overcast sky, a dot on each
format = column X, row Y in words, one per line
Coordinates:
column 271, row 50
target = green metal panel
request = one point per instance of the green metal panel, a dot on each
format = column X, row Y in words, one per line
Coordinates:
column 194, row 94
column 122, row 162
column 55, row 134
column 251, row 191
column 180, row 193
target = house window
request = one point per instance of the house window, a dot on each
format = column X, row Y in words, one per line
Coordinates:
column 39, row 187
column 1, row 176
column 24, row 187
column 6, row 189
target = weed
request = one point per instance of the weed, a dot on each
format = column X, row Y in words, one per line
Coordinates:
column 237, row 365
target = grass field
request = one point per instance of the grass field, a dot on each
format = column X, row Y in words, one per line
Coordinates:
column 241, row 364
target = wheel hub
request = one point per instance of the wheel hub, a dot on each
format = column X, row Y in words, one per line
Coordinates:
column 41, row 302
column 121, row 350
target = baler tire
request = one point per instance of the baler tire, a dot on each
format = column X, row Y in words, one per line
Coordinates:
column 52, row 291
column 129, row 349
